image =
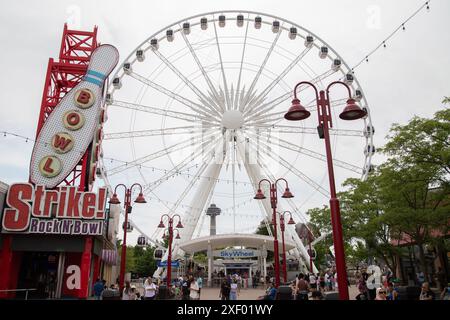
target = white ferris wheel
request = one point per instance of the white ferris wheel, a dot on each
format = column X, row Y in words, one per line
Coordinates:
column 196, row 116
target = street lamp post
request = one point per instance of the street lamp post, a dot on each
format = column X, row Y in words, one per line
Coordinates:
column 352, row 111
column 127, row 206
column 282, row 226
column 170, row 235
column 273, row 201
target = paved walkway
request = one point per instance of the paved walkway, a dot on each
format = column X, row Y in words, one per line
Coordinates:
column 253, row 294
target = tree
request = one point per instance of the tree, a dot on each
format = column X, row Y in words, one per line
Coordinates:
column 407, row 195
column 145, row 264
column 414, row 181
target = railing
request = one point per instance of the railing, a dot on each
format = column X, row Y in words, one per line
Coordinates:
column 19, row 290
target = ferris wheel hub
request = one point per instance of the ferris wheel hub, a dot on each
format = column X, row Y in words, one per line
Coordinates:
column 232, row 119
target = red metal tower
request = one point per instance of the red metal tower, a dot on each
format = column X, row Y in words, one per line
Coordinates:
column 62, row 76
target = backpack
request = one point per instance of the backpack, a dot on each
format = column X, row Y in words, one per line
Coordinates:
column 185, row 288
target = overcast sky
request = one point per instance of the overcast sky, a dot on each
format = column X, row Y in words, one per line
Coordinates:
column 410, row 77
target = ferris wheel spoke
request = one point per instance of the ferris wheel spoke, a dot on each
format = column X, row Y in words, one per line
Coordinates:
column 292, row 169
column 224, row 78
column 173, row 148
column 155, row 132
column 199, row 109
column 277, row 115
column 309, row 181
column 189, row 83
column 238, row 88
column 204, row 73
column 162, row 112
column 191, row 184
column 274, row 103
column 316, row 155
column 291, row 129
column 203, row 149
column 272, row 85
column 250, row 93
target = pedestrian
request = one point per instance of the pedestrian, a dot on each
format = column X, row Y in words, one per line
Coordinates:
column 234, row 290
column 293, row 290
column 362, row 288
column 302, row 288
column 224, row 293
column 312, row 281
column 322, row 282
column 126, row 293
column 200, row 285
column 381, row 294
column 426, row 293
column 194, row 290
column 98, row 289
column 327, row 281
column 420, row 277
column 272, row 293
column 445, row 294
column 185, row 288
column 150, row 289
column 392, row 293
column 441, row 279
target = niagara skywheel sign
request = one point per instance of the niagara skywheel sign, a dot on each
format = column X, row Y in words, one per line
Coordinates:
column 196, row 115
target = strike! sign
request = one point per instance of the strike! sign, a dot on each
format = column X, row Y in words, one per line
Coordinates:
column 63, row 211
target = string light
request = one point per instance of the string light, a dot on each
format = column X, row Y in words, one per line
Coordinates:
column 126, row 163
column 402, row 26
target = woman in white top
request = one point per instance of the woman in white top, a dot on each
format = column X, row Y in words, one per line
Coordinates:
column 127, row 292
column 150, row 289
column 234, row 290
column 194, row 292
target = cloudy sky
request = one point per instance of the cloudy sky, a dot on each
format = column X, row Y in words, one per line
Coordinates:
column 409, row 77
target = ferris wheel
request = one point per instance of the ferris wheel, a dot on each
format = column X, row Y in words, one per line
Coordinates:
column 196, row 115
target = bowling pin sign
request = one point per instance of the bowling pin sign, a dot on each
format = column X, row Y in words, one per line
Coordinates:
column 73, row 124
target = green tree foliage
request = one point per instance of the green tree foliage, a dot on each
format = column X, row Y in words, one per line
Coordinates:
column 139, row 260
column 407, row 195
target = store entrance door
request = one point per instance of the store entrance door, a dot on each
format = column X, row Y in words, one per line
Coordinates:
column 38, row 271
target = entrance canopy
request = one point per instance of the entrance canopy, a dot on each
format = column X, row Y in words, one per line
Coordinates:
column 233, row 240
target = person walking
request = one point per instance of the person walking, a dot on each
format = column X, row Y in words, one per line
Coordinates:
column 426, row 293
column 194, row 289
column 302, row 288
column 441, row 279
column 322, row 282
column 445, row 294
column 98, row 289
column 200, row 285
column 312, row 281
column 234, row 290
column 392, row 293
column 150, row 289
column 185, row 288
column 381, row 294
column 126, row 293
column 363, row 290
column 224, row 293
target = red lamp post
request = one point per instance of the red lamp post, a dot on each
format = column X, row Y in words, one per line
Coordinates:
column 282, row 226
column 351, row 112
column 273, row 201
column 115, row 200
column 170, row 235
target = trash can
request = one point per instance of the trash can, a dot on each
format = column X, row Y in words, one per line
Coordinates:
column 331, row 296
column 409, row 292
column 284, row 293
column 163, row 292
